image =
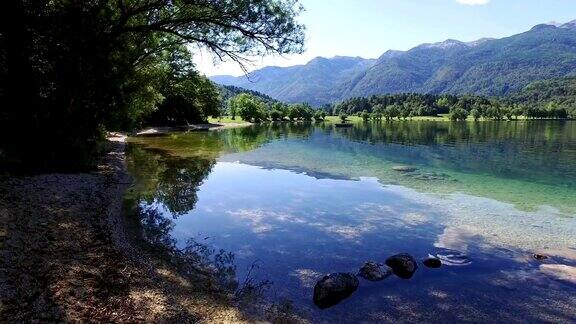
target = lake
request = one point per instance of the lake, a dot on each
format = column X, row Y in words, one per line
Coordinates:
column 280, row 205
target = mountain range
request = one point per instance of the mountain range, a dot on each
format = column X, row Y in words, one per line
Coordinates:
column 491, row 67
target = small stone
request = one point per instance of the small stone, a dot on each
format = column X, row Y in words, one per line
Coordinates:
column 403, row 265
column 373, row 271
column 334, row 288
column 451, row 257
column 539, row 257
column 432, row 262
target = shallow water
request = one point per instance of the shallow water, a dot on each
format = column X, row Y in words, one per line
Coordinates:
column 294, row 202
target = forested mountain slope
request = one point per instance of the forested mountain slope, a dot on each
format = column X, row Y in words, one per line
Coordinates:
column 491, row 67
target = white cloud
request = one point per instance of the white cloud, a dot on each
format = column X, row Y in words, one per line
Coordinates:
column 473, row 2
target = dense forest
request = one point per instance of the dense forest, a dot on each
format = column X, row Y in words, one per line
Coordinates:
column 552, row 99
column 543, row 99
column 72, row 70
column 228, row 92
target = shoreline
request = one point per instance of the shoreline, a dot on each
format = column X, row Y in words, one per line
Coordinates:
column 68, row 255
column 353, row 120
column 163, row 130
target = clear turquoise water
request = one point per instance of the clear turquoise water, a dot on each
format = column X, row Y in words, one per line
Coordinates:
column 300, row 201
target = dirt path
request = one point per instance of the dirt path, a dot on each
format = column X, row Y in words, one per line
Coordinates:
column 66, row 257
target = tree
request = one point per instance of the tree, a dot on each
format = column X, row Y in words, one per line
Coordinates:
column 458, row 114
column 76, row 68
column 343, row 118
column 507, row 111
column 394, row 111
column 365, row 116
column 280, row 107
column 248, row 107
column 476, row 114
column 275, row 115
column 300, row 112
column 517, row 111
column 319, row 115
column 494, row 112
column 188, row 96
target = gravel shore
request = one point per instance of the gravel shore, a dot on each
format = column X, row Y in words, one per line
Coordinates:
column 66, row 256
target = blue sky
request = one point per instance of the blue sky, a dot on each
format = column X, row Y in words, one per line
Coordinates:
column 367, row 28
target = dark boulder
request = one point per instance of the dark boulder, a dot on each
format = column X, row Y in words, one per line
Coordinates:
column 403, row 265
column 334, row 288
column 540, row 257
column 432, row 262
column 374, row 271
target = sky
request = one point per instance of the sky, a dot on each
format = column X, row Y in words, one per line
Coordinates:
column 368, row 28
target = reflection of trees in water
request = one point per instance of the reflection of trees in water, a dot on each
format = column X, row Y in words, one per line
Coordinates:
column 179, row 182
column 199, row 258
column 250, row 138
column 171, row 181
column 431, row 132
column 156, row 228
column 219, row 264
column 522, row 148
column 195, row 257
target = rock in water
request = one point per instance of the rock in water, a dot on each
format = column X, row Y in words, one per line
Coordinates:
column 334, row 288
column 403, row 265
column 432, row 262
column 539, row 256
column 404, row 168
column 374, row 271
column 453, row 258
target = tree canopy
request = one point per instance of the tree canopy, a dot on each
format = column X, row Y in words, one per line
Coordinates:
column 71, row 69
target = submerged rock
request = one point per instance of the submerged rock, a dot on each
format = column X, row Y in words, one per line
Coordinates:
column 404, row 168
column 403, row 265
column 374, row 271
column 432, row 262
column 334, row 288
column 453, row 258
column 539, row 256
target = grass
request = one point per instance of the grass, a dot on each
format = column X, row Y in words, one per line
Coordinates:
column 226, row 120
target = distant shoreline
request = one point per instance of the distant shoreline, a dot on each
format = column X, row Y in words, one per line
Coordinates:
column 162, row 130
column 215, row 124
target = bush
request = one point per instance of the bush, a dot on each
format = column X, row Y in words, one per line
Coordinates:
column 248, row 107
column 275, row 115
column 319, row 115
column 458, row 114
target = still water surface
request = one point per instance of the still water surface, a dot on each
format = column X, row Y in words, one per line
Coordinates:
column 294, row 202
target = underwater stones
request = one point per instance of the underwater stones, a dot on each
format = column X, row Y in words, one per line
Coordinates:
column 431, row 176
column 539, row 257
column 334, row 288
column 453, row 258
column 417, row 174
column 404, row 168
column 432, row 262
column 403, row 265
column 373, row 271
